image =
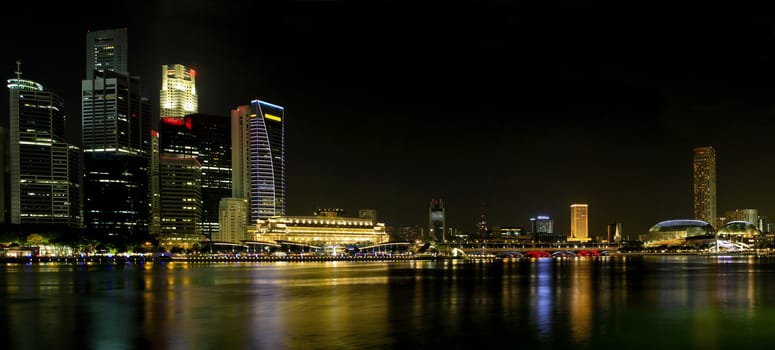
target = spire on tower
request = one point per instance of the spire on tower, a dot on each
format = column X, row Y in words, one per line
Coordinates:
column 18, row 69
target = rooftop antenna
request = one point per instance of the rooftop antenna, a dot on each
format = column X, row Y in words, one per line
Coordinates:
column 18, row 69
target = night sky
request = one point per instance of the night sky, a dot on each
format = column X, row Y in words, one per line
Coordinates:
column 525, row 106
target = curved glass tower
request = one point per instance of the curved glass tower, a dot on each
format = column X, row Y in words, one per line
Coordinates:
column 258, row 158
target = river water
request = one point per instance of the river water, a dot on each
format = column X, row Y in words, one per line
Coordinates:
column 641, row 302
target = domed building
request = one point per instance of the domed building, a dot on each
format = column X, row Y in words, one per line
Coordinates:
column 679, row 232
column 739, row 231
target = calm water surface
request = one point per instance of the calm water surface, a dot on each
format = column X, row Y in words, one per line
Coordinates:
column 608, row 302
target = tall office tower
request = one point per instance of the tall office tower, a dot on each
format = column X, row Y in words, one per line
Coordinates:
column 705, row 184
column 106, row 50
column 44, row 177
column 579, row 223
column 208, row 139
column 258, row 158
column 116, row 135
column 181, row 199
column 178, row 91
column 749, row 215
column 370, row 214
column 542, row 224
column 232, row 224
column 437, row 220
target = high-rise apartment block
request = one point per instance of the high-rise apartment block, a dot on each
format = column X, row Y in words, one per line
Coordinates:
column 178, row 91
column 579, row 223
column 258, row 158
column 437, row 220
column 705, row 184
column 43, row 183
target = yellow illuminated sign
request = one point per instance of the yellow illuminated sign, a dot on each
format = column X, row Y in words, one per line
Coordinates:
column 272, row 117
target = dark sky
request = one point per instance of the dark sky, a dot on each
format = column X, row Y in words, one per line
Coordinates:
column 526, row 106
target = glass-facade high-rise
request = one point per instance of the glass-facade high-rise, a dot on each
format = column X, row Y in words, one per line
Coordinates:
column 116, row 136
column 206, row 138
column 705, row 184
column 258, row 158
column 436, row 220
column 178, row 97
column 579, row 223
column 106, row 50
column 44, row 171
column 542, row 223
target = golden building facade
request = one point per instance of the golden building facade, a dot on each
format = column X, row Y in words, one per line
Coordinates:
column 321, row 230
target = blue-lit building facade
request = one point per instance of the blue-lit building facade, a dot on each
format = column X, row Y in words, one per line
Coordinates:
column 258, row 158
column 42, row 189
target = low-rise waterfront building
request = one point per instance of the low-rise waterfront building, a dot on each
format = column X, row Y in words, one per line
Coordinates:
column 321, row 230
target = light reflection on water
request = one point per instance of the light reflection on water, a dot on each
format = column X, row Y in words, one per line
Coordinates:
column 663, row 301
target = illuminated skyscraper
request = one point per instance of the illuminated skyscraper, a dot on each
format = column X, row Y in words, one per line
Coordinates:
column 180, row 199
column 44, row 172
column 116, row 138
column 206, row 138
column 705, row 184
column 106, row 50
column 437, row 220
column 258, row 158
column 579, row 223
column 178, row 91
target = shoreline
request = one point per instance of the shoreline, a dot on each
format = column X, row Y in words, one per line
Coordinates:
column 112, row 260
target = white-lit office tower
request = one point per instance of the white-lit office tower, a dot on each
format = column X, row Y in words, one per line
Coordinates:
column 116, row 138
column 579, row 223
column 705, row 184
column 258, row 158
column 106, row 50
column 436, row 220
column 178, row 97
column 43, row 186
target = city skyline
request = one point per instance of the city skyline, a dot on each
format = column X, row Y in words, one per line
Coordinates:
column 525, row 116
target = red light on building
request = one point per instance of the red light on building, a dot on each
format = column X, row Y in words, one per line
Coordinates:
column 172, row 121
column 154, row 133
column 188, row 123
column 192, row 72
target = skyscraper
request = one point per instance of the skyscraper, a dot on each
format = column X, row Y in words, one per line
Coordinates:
column 437, row 220
column 178, row 91
column 116, row 137
column 705, row 184
column 44, row 173
column 106, row 50
column 258, row 158
column 206, row 138
column 579, row 223
column 181, row 199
